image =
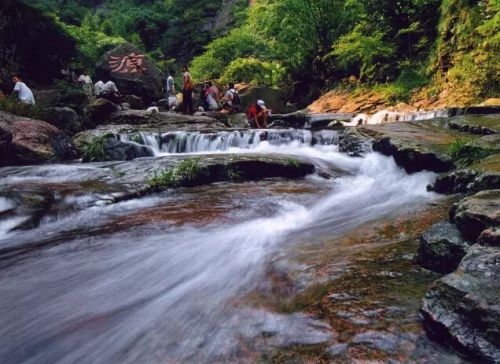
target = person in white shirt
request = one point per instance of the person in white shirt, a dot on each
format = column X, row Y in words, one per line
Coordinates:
column 231, row 100
column 86, row 83
column 108, row 91
column 22, row 91
column 99, row 88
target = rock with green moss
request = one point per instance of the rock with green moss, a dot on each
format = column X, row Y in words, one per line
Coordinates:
column 109, row 148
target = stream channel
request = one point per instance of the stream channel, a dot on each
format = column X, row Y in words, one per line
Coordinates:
column 309, row 270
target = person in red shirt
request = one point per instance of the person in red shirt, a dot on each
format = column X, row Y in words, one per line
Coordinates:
column 257, row 115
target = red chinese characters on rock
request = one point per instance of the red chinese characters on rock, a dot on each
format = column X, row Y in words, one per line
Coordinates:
column 133, row 63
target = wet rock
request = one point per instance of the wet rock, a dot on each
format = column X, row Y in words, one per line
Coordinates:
column 441, row 248
column 134, row 102
column 454, row 182
column 32, row 141
column 486, row 181
column 413, row 158
column 462, row 308
column 476, row 213
column 100, row 109
column 472, row 129
column 116, row 150
column 337, row 349
column 490, row 237
column 66, row 119
column 237, row 120
column 142, row 117
column 145, row 83
column 353, row 143
column 293, row 120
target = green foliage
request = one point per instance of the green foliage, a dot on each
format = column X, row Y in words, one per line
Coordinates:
column 13, row 106
column 465, row 151
column 411, row 77
column 292, row 162
column 254, row 71
column 95, row 149
column 92, row 43
column 184, row 173
column 363, row 50
column 239, row 43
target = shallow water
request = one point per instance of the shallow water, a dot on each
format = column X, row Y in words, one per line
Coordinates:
column 162, row 278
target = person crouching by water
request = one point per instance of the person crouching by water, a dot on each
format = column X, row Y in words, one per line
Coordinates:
column 23, row 92
column 257, row 115
column 187, row 91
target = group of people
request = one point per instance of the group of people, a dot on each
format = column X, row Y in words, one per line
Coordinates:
column 213, row 100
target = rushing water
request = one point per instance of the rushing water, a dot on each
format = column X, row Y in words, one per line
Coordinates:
column 158, row 279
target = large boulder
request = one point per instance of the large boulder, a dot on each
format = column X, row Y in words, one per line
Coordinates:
column 441, row 248
column 463, row 308
column 28, row 141
column 132, row 71
column 274, row 98
column 476, row 213
column 112, row 149
column 66, row 119
column 100, row 109
column 353, row 143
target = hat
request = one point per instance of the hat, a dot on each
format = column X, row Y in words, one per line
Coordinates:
column 261, row 103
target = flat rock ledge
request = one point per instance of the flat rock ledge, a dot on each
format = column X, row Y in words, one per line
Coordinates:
column 476, row 213
column 462, row 308
column 441, row 248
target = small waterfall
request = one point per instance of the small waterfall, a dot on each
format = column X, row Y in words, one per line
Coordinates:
column 225, row 141
column 387, row 117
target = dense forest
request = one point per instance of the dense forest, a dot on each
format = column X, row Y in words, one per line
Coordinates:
column 304, row 46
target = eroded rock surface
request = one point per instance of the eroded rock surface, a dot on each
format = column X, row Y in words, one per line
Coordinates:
column 463, row 308
column 476, row 213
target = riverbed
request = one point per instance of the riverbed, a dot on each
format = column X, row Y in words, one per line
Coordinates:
column 317, row 269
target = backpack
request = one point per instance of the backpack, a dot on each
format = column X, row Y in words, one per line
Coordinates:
column 236, row 98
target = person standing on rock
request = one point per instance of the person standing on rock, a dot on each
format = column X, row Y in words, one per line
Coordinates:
column 23, row 92
column 187, row 91
column 170, row 91
column 86, row 83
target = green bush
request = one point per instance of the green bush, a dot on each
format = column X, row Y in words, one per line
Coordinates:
column 254, row 71
column 239, row 43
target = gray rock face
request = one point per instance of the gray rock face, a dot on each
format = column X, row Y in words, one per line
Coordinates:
column 476, row 213
column 135, row 102
column 441, row 248
column 463, row 308
column 143, row 81
column 353, row 143
column 66, row 119
column 413, row 158
column 100, row 110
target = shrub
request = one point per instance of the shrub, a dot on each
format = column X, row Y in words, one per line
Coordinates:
column 13, row 106
column 254, row 71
